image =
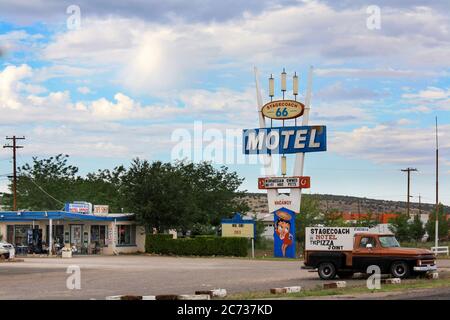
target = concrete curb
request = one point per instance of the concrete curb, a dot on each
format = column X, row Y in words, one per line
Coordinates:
column 333, row 285
column 294, row 289
column 215, row 293
column 194, row 297
column 166, row 297
column 391, row 281
column 199, row 295
column 124, row 297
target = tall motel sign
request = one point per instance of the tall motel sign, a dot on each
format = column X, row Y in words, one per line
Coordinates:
column 284, row 130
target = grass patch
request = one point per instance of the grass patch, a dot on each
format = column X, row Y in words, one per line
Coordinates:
column 362, row 289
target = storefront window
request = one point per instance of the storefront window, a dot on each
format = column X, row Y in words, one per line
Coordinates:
column 126, row 234
column 57, row 234
column 10, row 234
column 98, row 234
column 17, row 234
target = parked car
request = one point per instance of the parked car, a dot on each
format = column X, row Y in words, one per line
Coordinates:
column 6, row 250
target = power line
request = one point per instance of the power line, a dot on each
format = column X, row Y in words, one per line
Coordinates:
column 14, row 146
column 42, row 189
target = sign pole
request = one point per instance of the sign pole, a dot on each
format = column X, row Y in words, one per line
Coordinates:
column 300, row 157
column 265, row 142
column 253, row 248
column 436, row 226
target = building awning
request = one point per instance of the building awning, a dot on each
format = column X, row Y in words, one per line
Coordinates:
column 25, row 216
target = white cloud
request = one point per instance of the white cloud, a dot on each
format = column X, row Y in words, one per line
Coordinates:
column 150, row 57
column 10, row 85
column 375, row 73
column 19, row 40
column 431, row 98
column 84, row 90
column 431, row 93
column 341, row 91
column 391, row 143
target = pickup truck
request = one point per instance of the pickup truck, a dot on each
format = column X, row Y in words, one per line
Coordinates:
column 382, row 250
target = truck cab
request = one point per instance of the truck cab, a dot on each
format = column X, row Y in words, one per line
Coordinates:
column 370, row 249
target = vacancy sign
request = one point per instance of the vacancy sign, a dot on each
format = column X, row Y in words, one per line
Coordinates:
column 284, row 182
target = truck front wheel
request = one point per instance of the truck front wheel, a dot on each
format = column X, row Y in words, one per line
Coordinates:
column 327, row 271
column 400, row 269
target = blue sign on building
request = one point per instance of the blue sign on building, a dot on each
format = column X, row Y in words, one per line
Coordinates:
column 78, row 207
column 284, row 233
column 284, row 140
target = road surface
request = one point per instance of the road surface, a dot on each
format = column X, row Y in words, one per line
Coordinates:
column 101, row 276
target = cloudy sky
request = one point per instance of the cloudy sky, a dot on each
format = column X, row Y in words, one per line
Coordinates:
column 133, row 79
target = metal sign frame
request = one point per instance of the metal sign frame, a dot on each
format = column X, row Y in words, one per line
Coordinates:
column 295, row 194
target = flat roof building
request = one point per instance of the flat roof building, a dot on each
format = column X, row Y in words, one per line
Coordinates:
column 87, row 233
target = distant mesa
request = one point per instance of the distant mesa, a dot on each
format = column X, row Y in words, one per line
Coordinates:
column 258, row 203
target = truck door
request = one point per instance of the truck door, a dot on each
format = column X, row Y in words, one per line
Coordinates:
column 365, row 254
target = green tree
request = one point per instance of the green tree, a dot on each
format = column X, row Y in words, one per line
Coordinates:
column 416, row 229
column 443, row 224
column 400, row 227
column 103, row 187
column 259, row 230
column 332, row 218
column 179, row 195
column 309, row 215
column 214, row 192
column 202, row 230
column 151, row 192
column 45, row 184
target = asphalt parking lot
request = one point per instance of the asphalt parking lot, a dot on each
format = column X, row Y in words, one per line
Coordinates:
column 101, row 276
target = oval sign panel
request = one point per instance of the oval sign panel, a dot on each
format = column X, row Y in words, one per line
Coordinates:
column 283, row 109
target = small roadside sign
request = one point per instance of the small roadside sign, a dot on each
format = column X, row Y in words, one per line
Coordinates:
column 241, row 228
column 284, row 182
column 329, row 238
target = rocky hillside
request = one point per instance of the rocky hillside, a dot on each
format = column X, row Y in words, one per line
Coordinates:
column 258, row 203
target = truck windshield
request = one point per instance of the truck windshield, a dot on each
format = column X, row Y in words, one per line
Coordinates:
column 389, row 242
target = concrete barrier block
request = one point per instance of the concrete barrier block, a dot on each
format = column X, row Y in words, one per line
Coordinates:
column 148, row 297
column 218, row 293
column 215, row 293
column 334, row 285
column 131, row 297
column 124, row 297
column 391, row 281
column 114, row 298
column 194, row 297
column 432, row 275
column 166, row 297
column 278, row 290
column 293, row 289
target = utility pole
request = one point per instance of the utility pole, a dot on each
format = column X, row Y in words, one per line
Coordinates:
column 408, row 170
column 14, row 146
column 436, row 230
column 420, row 205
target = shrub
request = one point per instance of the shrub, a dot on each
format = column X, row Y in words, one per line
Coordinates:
column 198, row 246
